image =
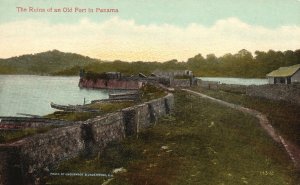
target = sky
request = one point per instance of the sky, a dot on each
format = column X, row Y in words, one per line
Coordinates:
column 149, row 30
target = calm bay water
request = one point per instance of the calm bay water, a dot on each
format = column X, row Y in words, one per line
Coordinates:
column 33, row 94
column 238, row 81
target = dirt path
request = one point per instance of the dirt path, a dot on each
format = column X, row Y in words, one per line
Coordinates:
column 292, row 149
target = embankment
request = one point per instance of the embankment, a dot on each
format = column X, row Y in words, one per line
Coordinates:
column 27, row 161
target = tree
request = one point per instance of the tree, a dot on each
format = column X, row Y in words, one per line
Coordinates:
column 228, row 57
column 260, row 56
column 297, row 54
column 211, row 58
column 244, row 55
column 195, row 62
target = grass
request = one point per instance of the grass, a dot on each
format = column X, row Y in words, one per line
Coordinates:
column 9, row 136
column 72, row 116
column 111, row 107
column 105, row 107
column 202, row 143
column 282, row 115
column 150, row 92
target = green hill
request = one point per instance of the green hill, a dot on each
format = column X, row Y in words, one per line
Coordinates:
column 44, row 63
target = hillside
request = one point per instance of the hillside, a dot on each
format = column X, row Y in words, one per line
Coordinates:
column 44, row 63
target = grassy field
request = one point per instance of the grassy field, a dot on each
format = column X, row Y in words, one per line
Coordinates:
column 282, row 115
column 201, row 143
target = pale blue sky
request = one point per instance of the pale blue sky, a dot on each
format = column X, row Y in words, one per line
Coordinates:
column 150, row 30
column 268, row 13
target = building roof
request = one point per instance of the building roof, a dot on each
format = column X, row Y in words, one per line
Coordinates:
column 284, row 71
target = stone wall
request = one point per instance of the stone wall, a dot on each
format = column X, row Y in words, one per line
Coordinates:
column 207, row 84
column 181, row 83
column 40, row 152
column 4, row 166
column 110, row 84
column 285, row 92
column 26, row 161
column 25, row 122
column 282, row 92
column 98, row 132
column 144, row 115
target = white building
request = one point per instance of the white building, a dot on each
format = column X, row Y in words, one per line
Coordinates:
column 285, row 75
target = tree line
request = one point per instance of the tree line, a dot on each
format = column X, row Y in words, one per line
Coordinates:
column 241, row 64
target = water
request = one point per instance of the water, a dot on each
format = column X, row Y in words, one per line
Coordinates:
column 238, row 81
column 33, row 94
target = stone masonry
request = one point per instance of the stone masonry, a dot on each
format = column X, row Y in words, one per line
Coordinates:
column 27, row 161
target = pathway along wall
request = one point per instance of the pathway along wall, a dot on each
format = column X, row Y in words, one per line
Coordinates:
column 27, row 161
column 291, row 149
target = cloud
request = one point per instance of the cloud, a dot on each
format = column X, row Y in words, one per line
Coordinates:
column 122, row 39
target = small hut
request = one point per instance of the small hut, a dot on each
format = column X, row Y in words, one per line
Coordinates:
column 285, row 75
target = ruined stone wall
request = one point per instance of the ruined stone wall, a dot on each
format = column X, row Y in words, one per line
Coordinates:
column 283, row 92
column 286, row 92
column 289, row 93
column 35, row 155
column 120, row 84
column 207, row 84
column 109, row 84
column 181, row 83
column 102, row 130
column 146, row 114
column 25, row 122
column 26, row 161
column 4, row 167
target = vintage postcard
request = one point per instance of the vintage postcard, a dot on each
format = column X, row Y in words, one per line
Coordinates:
column 149, row 92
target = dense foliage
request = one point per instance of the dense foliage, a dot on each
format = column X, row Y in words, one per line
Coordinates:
column 241, row 64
